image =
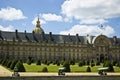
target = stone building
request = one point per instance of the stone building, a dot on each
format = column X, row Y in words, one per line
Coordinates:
column 38, row 45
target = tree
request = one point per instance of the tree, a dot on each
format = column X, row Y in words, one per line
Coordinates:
column 97, row 63
column 13, row 64
column 88, row 69
column 67, row 66
column 109, row 65
column 38, row 62
column 29, row 61
column 80, row 63
column 20, row 66
column 9, row 63
column 45, row 69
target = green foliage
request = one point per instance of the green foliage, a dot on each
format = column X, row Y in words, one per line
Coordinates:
column 108, row 64
column 3, row 62
column 114, row 63
column 58, row 63
column 62, row 62
column 97, row 63
column 44, row 61
column 67, row 66
column 87, row 62
column 20, row 66
column 72, row 62
column 29, row 60
column 48, row 63
column 44, row 69
column 80, row 63
column 92, row 64
column 9, row 63
column 38, row 62
column 13, row 64
column 88, row 69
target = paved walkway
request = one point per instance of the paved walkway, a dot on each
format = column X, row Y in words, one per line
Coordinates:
column 5, row 72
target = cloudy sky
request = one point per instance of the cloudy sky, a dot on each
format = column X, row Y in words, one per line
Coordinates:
column 93, row 17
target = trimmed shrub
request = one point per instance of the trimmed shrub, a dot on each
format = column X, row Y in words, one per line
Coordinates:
column 62, row 62
column 97, row 63
column 58, row 63
column 45, row 69
column 67, row 66
column 87, row 62
column 20, row 66
column 3, row 62
column 13, row 64
column 72, row 62
column 44, row 61
column 29, row 60
column 114, row 63
column 6, row 62
column 88, row 69
column 9, row 63
column 108, row 64
column 38, row 62
column 80, row 63
column 92, row 64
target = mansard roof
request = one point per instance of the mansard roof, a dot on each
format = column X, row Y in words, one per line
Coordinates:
column 32, row 37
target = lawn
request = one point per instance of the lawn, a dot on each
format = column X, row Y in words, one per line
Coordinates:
column 53, row 68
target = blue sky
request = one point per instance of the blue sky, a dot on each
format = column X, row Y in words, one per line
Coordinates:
column 62, row 16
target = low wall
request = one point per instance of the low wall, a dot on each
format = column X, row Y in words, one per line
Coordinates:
column 63, row 78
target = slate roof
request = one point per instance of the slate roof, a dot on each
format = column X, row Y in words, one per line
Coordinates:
column 32, row 37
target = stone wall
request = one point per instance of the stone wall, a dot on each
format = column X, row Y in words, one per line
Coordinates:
column 63, row 78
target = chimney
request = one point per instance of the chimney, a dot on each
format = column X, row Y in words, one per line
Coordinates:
column 50, row 36
column 115, row 39
column 16, row 32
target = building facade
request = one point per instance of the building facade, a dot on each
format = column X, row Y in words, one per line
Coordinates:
column 38, row 45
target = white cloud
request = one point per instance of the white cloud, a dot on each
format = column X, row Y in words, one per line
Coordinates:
column 83, row 30
column 91, row 9
column 10, row 14
column 9, row 28
column 51, row 17
column 93, row 21
column 41, row 21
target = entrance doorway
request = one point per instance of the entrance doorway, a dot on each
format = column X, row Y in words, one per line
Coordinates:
column 101, row 57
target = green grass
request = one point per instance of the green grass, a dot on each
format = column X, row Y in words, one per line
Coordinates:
column 54, row 68
column 38, row 68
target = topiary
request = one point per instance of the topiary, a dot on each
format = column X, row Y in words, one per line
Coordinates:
column 13, row 64
column 67, row 66
column 87, row 62
column 20, row 66
column 88, row 69
column 44, row 61
column 29, row 60
column 92, row 64
column 3, row 62
column 80, row 63
column 38, row 62
column 58, row 63
column 9, row 63
column 45, row 69
column 72, row 62
column 114, row 63
column 97, row 63
column 109, row 65
column 62, row 62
